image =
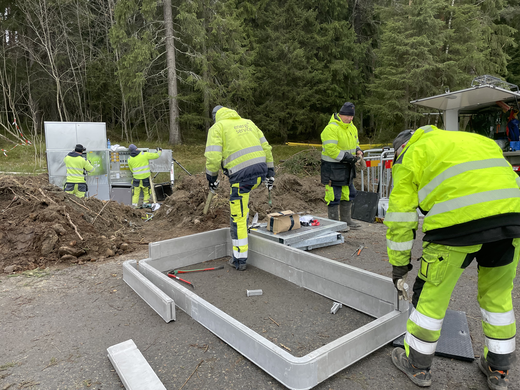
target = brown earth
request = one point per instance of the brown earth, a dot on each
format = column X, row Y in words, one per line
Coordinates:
column 40, row 225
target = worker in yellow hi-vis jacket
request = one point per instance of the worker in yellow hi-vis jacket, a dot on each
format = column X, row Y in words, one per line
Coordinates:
column 240, row 148
column 140, row 168
column 77, row 166
column 470, row 197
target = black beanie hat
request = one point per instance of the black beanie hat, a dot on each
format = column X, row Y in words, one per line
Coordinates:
column 79, row 148
column 348, row 109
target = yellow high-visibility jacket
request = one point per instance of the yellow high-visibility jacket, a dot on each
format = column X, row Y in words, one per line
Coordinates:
column 139, row 165
column 75, row 164
column 338, row 138
column 239, row 147
column 462, row 183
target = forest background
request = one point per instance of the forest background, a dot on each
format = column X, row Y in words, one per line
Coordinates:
column 153, row 70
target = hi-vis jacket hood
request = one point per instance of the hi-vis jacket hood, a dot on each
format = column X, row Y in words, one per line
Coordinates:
column 337, row 139
column 455, row 177
column 238, row 146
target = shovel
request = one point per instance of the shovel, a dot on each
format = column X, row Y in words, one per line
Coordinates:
column 211, row 194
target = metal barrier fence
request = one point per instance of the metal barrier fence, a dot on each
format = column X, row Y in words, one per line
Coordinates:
column 378, row 176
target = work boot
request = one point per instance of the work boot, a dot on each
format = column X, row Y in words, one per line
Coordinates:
column 242, row 267
column 345, row 208
column 231, row 263
column 333, row 212
column 421, row 377
column 496, row 379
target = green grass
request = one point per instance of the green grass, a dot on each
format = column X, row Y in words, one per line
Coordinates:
column 23, row 159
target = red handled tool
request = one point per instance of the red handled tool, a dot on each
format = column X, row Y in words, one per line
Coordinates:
column 186, row 271
column 182, row 280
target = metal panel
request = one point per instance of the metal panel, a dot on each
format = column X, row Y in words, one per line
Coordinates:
column 60, row 135
column 321, row 241
column 372, row 294
column 132, row 368
column 92, row 135
column 150, row 293
column 163, row 163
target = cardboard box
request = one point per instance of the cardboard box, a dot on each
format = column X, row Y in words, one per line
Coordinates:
column 282, row 221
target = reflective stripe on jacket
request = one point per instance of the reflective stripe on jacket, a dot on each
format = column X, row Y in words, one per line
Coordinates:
column 75, row 164
column 139, row 165
column 454, row 177
column 337, row 139
column 237, row 145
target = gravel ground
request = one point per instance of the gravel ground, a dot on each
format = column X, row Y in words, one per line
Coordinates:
column 55, row 328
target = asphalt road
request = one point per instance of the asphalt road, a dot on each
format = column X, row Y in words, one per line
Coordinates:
column 55, row 329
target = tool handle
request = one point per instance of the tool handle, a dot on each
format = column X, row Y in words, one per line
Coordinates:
column 181, row 279
column 180, row 271
column 208, row 202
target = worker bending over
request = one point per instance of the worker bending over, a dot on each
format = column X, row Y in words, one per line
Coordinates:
column 77, row 167
column 471, row 200
column 241, row 149
column 340, row 151
column 138, row 162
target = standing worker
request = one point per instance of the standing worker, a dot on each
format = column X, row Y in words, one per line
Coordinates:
column 140, row 168
column 239, row 147
column 340, row 151
column 471, row 200
column 76, row 168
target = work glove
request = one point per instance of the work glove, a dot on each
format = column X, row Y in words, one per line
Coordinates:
column 214, row 185
column 269, row 183
column 348, row 159
column 158, row 149
column 399, row 273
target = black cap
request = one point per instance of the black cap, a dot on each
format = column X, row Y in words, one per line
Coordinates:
column 348, row 109
column 401, row 140
column 79, row 148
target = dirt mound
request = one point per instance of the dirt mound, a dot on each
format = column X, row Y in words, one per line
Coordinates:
column 41, row 225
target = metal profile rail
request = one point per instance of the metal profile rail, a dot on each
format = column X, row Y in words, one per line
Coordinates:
column 364, row 291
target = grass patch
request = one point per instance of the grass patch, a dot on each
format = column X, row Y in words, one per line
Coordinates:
column 36, row 273
column 8, row 365
column 306, row 162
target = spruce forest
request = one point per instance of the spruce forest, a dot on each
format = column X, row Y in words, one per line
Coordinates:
column 153, row 70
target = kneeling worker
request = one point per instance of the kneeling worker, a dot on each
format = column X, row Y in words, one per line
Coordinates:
column 76, row 165
column 140, row 168
column 470, row 197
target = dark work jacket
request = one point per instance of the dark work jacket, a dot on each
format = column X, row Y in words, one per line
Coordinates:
column 337, row 174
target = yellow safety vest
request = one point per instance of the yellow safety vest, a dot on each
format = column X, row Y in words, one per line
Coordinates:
column 337, row 139
column 75, row 164
column 139, row 165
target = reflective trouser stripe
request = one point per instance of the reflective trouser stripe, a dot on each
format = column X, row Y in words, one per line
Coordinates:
column 239, row 208
column 500, row 347
column 495, row 286
column 136, row 192
column 423, row 328
column 399, row 246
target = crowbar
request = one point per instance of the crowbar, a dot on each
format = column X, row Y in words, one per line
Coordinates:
column 182, row 280
column 185, row 271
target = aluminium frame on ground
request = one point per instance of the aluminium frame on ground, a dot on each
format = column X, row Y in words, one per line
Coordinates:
column 361, row 290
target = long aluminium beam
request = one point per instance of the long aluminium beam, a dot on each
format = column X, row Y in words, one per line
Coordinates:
column 362, row 290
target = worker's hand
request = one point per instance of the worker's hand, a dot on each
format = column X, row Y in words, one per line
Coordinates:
column 359, row 153
column 158, row 149
column 214, row 185
column 398, row 277
column 269, row 183
column 348, row 159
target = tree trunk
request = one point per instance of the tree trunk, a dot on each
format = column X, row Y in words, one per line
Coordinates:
column 175, row 136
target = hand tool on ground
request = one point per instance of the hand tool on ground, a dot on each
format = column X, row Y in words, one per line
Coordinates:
column 358, row 250
column 182, row 280
column 185, row 271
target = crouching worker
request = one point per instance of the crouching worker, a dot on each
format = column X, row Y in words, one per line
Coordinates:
column 77, row 167
column 471, row 200
column 140, row 168
column 237, row 145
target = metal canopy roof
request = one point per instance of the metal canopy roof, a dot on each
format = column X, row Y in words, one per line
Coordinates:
column 468, row 99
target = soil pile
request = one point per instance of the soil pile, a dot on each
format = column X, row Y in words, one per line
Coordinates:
column 40, row 225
